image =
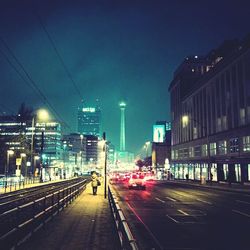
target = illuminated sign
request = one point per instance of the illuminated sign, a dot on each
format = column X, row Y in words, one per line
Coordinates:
column 158, row 133
column 92, row 110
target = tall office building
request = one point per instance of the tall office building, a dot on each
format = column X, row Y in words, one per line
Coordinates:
column 210, row 107
column 122, row 106
column 17, row 136
column 89, row 120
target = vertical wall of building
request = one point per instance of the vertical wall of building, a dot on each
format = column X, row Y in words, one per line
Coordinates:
column 89, row 121
column 211, row 115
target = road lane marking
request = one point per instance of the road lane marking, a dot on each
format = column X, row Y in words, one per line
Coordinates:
column 162, row 201
column 207, row 202
column 171, row 199
column 245, row 202
column 176, row 221
column 145, row 226
column 181, row 211
column 238, row 212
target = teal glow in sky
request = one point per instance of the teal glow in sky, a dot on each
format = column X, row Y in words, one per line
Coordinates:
column 113, row 50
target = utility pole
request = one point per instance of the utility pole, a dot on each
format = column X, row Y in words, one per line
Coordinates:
column 105, row 165
column 41, row 163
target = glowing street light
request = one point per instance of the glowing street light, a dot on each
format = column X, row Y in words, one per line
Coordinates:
column 41, row 115
column 9, row 153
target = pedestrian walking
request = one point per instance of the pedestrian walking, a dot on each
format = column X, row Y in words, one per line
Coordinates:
column 94, row 182
column 187, row 177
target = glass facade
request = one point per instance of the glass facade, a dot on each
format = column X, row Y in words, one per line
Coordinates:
column 89, row 121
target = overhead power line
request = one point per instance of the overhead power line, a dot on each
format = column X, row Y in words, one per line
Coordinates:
column 32, row 82
column 78, row 91
column 21, row 76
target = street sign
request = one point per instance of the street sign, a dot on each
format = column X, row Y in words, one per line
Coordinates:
column 18, row 161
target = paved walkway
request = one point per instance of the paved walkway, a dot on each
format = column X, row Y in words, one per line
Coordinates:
column 86, row 224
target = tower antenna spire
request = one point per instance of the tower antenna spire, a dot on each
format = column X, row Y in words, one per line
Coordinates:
column 122, row 106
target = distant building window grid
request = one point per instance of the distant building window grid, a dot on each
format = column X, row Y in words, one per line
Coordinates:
column 234, row 145
column 218, row 107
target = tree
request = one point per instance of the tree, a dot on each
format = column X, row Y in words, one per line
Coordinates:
column 139, row 163
column 25, row 114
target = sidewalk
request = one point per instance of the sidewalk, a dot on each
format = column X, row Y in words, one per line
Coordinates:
column 87, row 223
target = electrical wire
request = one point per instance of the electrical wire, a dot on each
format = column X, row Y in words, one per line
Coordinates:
column 78, row 91
column 32, row 82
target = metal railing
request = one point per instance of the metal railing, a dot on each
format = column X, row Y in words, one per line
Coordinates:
column 18, row 224
column 9, row 185
column 125, row 236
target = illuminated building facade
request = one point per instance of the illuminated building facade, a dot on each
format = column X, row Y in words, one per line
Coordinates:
column 74, row 151
column 89, row 121
column 49, row 134
column 17, row 136
column 91, row 149
column 161, row 145
column 210, row 108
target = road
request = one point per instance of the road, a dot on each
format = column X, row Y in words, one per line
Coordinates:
column 168, row 215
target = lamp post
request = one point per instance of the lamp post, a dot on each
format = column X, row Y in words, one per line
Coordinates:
column 23, row 155
column 81, row 137
column 146, row 147
column 41, row 115
column 105, row 165
column 9, row 153
column 185, row 121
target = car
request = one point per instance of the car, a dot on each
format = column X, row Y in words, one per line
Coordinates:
column 137, row 181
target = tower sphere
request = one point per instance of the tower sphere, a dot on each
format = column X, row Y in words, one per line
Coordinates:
column 122, row 104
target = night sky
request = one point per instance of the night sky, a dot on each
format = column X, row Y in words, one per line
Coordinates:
column 108, row 50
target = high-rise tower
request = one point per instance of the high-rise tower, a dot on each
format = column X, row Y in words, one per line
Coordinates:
column 89, row 120
column 122, row 106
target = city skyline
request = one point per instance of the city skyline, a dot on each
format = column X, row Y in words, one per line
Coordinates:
column 107, row 50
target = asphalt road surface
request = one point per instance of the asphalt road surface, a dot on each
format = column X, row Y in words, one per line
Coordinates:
column 172, row 216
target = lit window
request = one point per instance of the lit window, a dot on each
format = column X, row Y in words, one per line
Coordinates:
column 191, row 152
column 234, row 145
column 222, row 147
column 246, row 143
column 242, row 116
column 213, row 148
column 204, row 150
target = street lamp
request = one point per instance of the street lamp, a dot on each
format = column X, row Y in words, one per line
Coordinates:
column 81, row 137
column 23, row 155
column 105, row 165
column 146, row 147
column 41, row 115
column 9, row 153
column 185, row 122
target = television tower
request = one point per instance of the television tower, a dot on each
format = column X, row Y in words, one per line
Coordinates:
column 122, row 106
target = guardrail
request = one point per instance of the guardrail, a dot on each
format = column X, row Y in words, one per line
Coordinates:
column 19, row 223
column 125, row 236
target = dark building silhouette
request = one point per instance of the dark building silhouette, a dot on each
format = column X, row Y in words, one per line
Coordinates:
column 210, row 109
